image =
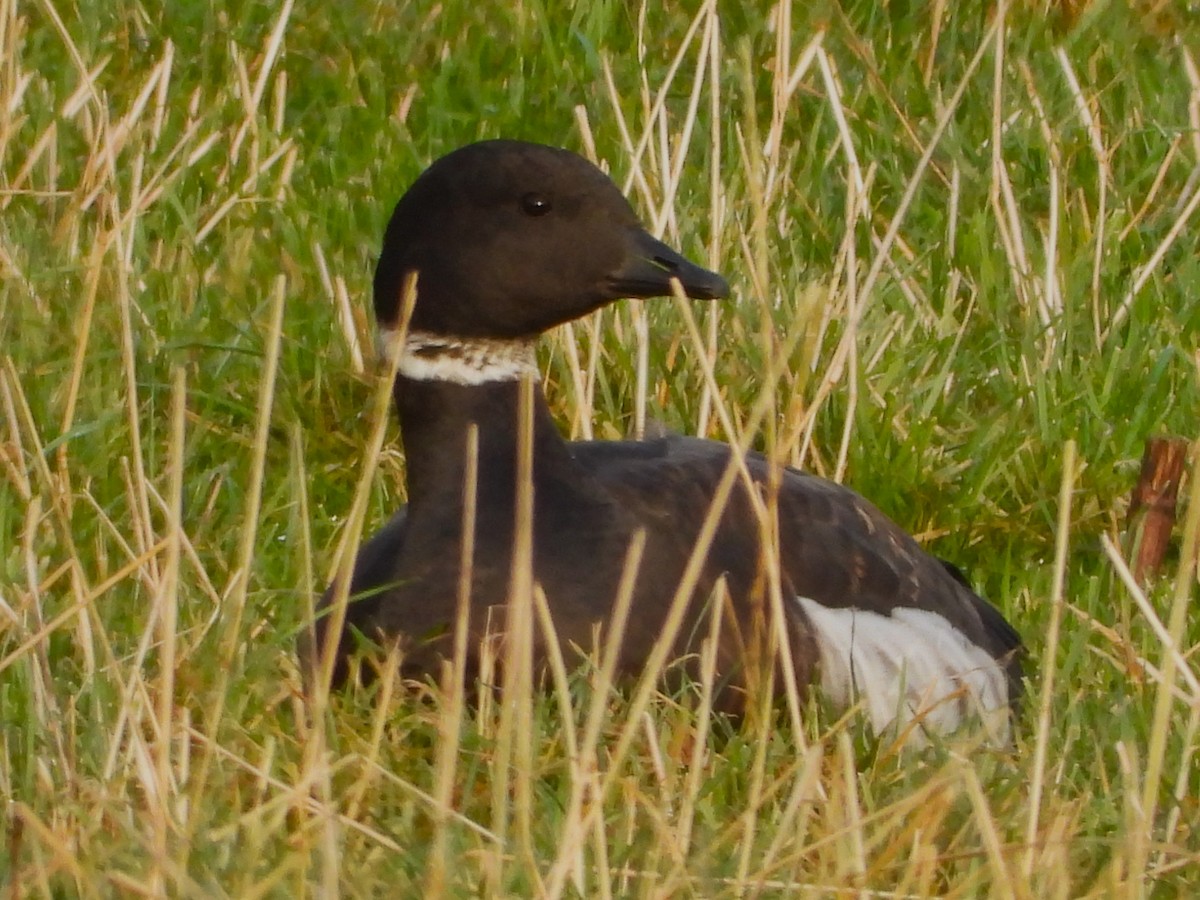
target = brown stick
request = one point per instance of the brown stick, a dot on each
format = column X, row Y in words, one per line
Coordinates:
column 1152, row 506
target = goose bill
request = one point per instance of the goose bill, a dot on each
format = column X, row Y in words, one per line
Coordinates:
column 651, row 265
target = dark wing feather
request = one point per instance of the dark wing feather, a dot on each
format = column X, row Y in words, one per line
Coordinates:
column 837, row 548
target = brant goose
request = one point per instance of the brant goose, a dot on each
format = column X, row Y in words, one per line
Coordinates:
column 508, row 239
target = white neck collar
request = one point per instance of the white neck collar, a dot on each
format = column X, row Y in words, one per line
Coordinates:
column 459, row 360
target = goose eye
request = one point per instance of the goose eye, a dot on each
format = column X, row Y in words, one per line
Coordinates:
column 535, row 204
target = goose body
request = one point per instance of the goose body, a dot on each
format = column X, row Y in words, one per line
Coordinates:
column 509, row 239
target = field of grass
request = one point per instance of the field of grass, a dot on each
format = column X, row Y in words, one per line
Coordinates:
column 963, row 245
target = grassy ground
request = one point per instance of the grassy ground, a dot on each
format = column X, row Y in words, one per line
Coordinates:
column 958, row 244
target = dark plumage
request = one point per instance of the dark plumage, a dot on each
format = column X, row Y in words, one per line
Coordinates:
column 509, row 239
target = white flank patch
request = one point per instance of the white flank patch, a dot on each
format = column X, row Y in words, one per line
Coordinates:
column 467, row 361
column 910, row 665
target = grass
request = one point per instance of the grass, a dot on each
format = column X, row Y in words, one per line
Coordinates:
column 963, row 242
